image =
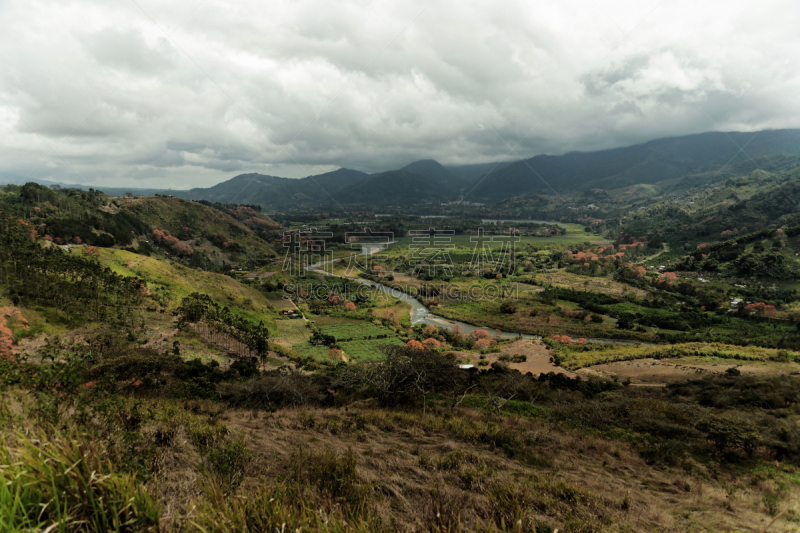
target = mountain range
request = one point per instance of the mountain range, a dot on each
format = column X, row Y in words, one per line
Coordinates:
column 690, row 158
column 695, row 158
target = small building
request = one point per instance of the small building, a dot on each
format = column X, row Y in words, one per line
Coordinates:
column 291, row 313
column 258, row 275
column 735, row 302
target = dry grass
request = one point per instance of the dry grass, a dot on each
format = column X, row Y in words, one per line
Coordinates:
column 416, row 466
column 567, row 280
column 580, row 356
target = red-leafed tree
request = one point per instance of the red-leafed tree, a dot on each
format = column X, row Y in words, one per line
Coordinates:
column 482, row 344
column 431, row 344
column 480, row 334
column 762, row 309
column 563, row 339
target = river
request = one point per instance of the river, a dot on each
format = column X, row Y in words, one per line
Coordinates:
column 422, row 315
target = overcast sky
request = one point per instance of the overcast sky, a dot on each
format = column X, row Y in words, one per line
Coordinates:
column 188, row 93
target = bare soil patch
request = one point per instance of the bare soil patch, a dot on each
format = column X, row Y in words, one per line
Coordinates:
column 537, row 353
column 663, row 371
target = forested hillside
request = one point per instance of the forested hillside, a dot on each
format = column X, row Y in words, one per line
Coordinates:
column 202, row 236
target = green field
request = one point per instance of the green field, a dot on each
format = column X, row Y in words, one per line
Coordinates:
column 309, row 350
column 363, row 330
column 293, row 331
column 368, row 350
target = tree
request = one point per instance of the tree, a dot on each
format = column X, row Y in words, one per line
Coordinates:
column 405, row 373
column 508, row 308
column 504, row 386
column 482, row 344
column 431, row 344
column 195, row 306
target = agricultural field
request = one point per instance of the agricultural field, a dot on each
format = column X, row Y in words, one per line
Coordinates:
column 368, row 350
column 358, row 339
column 574, row 356
column 291, row 332
column 358, row 331
column 320, row 353
column 335, row 320
column 465, row 244
column 568, row 280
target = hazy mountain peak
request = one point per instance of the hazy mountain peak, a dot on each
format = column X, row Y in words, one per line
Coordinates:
column 427, row 167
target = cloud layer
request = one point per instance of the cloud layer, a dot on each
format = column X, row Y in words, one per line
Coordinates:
column 189, row 93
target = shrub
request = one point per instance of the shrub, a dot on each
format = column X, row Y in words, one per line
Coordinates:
column 508, row 308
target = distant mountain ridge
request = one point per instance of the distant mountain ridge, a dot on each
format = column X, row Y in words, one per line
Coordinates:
column 427, row 181
column 651, row 162
column 272, row 191
column 424, row 181
column 694, row 157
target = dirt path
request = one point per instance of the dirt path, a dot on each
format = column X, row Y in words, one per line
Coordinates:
column 646, row 259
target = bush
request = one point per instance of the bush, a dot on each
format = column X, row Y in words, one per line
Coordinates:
column 508, row 308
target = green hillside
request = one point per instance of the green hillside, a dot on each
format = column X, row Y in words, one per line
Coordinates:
column 174, row 281
column 728, row 208
column 204, row 230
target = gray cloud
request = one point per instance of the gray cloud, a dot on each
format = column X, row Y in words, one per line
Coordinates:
column 298, row 88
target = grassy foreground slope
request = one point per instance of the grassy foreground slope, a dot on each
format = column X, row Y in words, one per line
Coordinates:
column 153, row 443
column 174, row 281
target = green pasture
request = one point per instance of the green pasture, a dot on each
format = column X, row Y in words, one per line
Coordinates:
column 368, row 350
column 363, row 330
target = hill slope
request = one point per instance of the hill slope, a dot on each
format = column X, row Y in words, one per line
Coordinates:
column 173, row 282
column 400, row 187
column 272, row 191
column 201, row 235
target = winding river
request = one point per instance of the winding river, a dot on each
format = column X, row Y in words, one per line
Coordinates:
column 422, row 315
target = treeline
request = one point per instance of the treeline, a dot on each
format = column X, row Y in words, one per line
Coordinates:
column 73, row 283
column 651, row 313
column 221, row 324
